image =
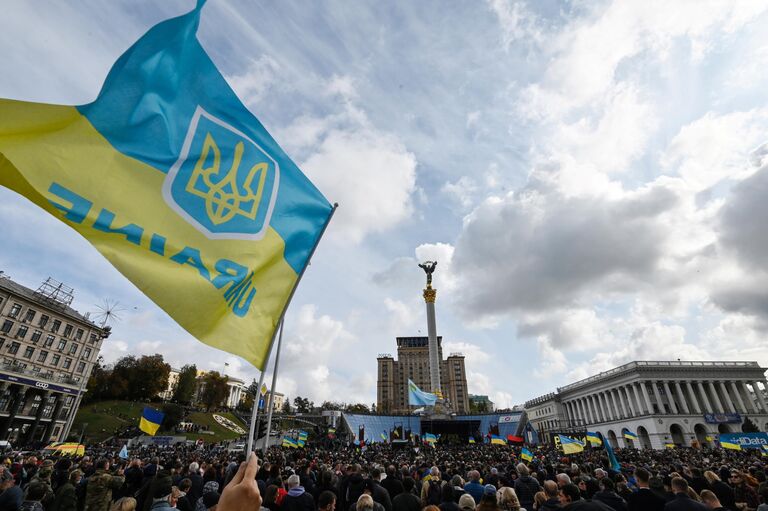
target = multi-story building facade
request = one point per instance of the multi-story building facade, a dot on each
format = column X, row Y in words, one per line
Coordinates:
column 684, row 403
column 47, row 351
column 413, row 363
column 481, row 404
column 545, row 414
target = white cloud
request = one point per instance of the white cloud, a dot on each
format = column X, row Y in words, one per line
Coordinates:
column 253, row 85
column 716, row 147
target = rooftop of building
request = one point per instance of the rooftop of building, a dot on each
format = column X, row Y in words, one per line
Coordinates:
column 416, row 341
column 17, row 289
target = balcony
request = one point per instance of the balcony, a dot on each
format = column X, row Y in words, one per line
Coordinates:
column 62, row 378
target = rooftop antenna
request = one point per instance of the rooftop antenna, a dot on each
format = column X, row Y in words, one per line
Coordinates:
column 109, row 310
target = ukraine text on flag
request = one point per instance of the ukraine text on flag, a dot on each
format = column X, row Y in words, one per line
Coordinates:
column 151, row 420
column 178, row 185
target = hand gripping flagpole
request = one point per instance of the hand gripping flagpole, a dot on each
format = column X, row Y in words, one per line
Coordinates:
column 255, row 411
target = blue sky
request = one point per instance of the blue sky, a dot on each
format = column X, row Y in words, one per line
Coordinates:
column 591, row 177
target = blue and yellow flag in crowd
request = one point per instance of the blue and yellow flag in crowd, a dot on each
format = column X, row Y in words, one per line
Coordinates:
column 570, row 445
column 417, row 397
column 497, row 440
column 151, row 420
column 177, row 184
column 629, row 435
column 290, row 442
column 526, row 455
column 594, row 439
column 730, row 445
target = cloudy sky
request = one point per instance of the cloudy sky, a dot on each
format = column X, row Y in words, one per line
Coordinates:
column 591, row 176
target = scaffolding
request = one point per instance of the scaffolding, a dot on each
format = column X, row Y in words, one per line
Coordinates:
column 55, row 293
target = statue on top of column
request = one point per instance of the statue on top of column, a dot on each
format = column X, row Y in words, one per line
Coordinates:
column 429, row 269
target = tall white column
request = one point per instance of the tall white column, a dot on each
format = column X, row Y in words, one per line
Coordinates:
column 670, row 398
column 616, row 393
column 628, row 396
column 735, row 390
column 647, row 400
column 715, row 397
column 681, row 395
column 617, row 404
column 604, row 407
column 692, row 393
column 760, row 397
column 705, row 398
column 751, row 406
column 640, row 403
column 592, row 400
column 585, row 416
column 608, row 406
column 430, row 295
column 728, row 401
column 659, row 402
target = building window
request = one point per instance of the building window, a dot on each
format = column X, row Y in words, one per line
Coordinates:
column 62, row 344
column 68, row 330
column 15, row 310
column 42, row 356
column 36, row 336
column 43, row 321
column 2, row 342
column 67, row 363
column 7, row 325
column 36, row 370
column 55, row 359
column 79, row 334
column 73, row 349
column 93, row 337
column 80, row 367
column 49, row 341
column 28, row 351
column 14, row 348
column 87, row 353
column 29, row 316
column 56, row 325
column 22, row 332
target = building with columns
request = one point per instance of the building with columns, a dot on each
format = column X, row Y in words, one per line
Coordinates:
column 48, row 350
column 685, row 403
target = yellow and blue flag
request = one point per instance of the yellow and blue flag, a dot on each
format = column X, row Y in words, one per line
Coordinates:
column 290, row 442
column 629, row 435
column 430, row 438
column 417, row 397
column 570, row 445
column 594, row 438
column 526, row 455
column 471, row 440
column 151, row 420
column 669, row 446
column 178, row 185
column 497, row 440
column 730, row 445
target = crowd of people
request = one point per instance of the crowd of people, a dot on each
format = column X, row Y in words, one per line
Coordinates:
column 382, row 477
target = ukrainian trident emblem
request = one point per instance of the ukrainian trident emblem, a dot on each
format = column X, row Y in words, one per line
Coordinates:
column 223, row 183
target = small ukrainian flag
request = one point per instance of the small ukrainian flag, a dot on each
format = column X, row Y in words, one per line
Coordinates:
column 471, row 440
column 570, row 445
column 594, row 438
column 526, row 455
column 497, row 440
column 151, row 420
column 730, row 445
column 629, row 435
column 669, row 446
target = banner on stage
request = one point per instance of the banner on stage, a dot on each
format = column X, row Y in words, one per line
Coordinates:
column 746, row 440
column 506, row 419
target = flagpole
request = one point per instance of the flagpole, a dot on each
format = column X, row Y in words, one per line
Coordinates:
column 271, row 407
column 280, row 325
column 255, row 410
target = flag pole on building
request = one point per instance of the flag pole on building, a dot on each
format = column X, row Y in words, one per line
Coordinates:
column 255, row 411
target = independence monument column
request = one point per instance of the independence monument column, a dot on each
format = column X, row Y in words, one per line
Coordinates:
column 430, row 294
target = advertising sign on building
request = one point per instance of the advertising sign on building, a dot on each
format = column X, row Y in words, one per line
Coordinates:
column 722, row 418
column 508, row 418
column 746, row 440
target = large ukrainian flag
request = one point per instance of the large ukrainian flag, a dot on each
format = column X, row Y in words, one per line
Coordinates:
column 178, row 185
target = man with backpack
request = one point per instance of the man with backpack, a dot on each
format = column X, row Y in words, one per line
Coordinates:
column 432, row 488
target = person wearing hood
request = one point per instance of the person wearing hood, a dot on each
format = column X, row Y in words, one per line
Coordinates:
column 209, row 487
column 297, row 499
column 66, row 496
column 607, row 495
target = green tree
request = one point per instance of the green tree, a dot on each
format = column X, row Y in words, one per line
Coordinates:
column 357, row 408
column 331, row 405
column 99, row 382
column 215, row 389
column 139, row 378
column 287, row 405
column 173, row 415
column 749, row 426
column 184, row 390
column 303, row 405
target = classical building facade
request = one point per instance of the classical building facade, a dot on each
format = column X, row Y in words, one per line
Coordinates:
column 48, row 351
column 413, row 363
column 685, row 403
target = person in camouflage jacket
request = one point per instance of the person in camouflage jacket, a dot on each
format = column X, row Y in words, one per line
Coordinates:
column 99, row 487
